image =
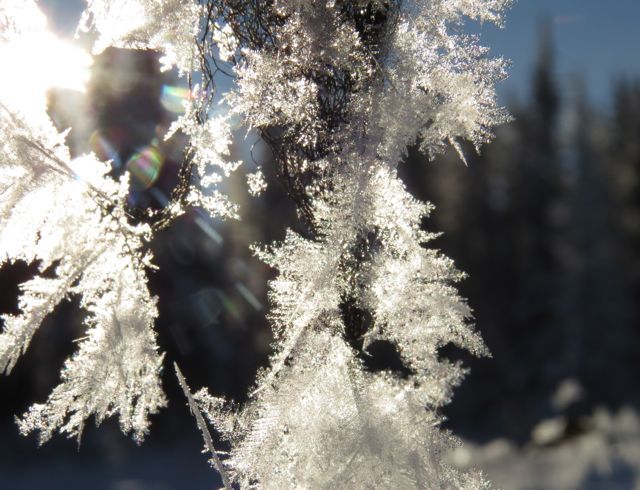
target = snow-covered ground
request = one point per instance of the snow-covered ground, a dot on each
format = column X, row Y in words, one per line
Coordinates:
column 605, row 456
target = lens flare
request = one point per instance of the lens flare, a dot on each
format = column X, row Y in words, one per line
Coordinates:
column 145, row 167
column 173, row 98
column 103, row 149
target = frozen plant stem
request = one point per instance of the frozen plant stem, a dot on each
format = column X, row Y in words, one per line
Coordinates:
column 338, row 89
column 202, row 425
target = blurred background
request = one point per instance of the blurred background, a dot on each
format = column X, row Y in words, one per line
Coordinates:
column 546, row 222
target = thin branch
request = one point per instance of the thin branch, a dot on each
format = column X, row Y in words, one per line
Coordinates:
column 206, row 435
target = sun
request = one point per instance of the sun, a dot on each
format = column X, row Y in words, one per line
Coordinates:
column 34, row 60
column 62, row 64
column 44, row 61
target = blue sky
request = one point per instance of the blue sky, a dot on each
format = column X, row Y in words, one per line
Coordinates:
column 599, row 39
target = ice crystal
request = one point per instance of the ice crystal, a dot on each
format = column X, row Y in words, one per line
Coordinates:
column 256, row 182
column 69, row 217
column 169, row 26
column 338, row 90
column 209, row 152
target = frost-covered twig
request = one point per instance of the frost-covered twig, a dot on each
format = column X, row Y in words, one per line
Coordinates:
column 202, row 425
column 339, row 90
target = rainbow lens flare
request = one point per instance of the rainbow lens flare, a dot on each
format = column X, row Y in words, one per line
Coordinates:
column 172, row 98
column 103, row 149
column 145, row 167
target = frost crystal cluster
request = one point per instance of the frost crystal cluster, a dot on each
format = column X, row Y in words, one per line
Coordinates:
column 70, row 218
column 338, row 89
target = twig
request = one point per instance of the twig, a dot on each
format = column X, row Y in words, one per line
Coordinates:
column 206, row 435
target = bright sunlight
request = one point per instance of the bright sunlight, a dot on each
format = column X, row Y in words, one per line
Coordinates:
column 35, row 60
